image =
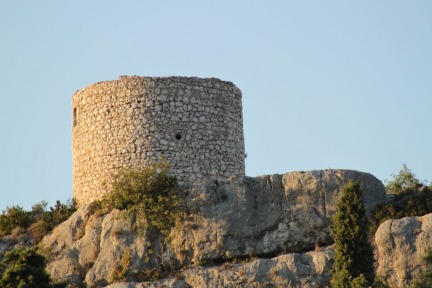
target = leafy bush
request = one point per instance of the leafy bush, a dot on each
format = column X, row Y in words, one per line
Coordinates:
column 58, row 214
column 13, row 217
column 39, row 221
column 43, row 221
column 24, row 268
column 406, row 204
column 353, row 253
column 149, row 194
column 411, row 197
column 402, row 182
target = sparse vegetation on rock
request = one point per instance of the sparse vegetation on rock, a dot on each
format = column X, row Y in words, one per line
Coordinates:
column 425, row 279
column 149, row 194
column 411, row 197
column 37, row 222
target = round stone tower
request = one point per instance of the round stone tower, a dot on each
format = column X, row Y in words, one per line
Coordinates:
column 195, row 124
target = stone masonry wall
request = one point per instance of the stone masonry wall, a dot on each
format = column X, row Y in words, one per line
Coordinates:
column 195, row 124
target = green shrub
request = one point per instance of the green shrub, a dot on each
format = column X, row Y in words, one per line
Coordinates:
column 353, row 253
column 24, row 268
column 58, row 214
column 402, row 182
column 38, row 221
column 411, row 197
column 149, row 194
column 43, row 220
column 406, row 204
column 13, row 217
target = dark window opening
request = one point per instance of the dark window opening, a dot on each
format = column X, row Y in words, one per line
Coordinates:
column 74, row 117
column 178, row 136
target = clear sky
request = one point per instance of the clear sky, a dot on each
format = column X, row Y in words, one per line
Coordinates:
column 326, row 84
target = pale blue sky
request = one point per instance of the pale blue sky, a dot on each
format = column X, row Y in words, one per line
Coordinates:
column 326, row 84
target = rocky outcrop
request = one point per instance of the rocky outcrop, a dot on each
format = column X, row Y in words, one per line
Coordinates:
column 401, row 246
column 312, row 269
column 18, row 239
column 243, row 217
column 266, row 215
column 88, row 248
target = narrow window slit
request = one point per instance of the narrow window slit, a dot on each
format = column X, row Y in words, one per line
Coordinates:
column 74, row 117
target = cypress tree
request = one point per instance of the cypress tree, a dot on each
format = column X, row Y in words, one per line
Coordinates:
column 353, row 252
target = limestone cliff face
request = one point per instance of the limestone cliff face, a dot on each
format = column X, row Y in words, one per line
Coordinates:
column 241, row 218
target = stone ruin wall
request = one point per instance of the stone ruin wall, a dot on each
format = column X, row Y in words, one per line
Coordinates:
column 195, row 124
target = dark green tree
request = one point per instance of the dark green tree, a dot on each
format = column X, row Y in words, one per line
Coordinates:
column 353, row 265
column 24, row 268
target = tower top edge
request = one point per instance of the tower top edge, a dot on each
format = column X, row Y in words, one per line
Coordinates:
column 161, row 79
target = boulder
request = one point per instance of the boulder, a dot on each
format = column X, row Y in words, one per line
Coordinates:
column 18, row 239
column 401, row 247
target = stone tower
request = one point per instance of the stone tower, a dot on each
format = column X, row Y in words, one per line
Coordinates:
column 195, row 124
